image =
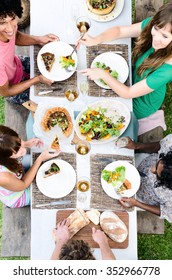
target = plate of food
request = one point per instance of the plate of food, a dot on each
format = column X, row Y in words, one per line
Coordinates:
column 104, row 10
column 120, row 179
column 114, row 64
column 102, row 121
column 53, row 124
column 52, row 61
column 56, row 178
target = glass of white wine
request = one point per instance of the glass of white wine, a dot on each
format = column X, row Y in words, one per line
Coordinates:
column 83, row 87
column 71, row 93
column 83, row 24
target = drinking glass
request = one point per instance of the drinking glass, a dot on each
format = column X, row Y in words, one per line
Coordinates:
column 83, row 87
column 71, row 93
column 83, row 24
column 83, row 185
column 82, row 147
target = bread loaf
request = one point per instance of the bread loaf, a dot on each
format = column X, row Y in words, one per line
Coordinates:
column 77, row 220
column 113, row 226
column 94, row 216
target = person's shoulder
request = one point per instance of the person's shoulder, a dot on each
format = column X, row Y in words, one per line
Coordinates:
column 145, row 22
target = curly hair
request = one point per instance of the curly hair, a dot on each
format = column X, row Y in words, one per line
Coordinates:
column 165, row 179
column 76, row 250
column 144, row 41
column 9, row 143
column 10, row 8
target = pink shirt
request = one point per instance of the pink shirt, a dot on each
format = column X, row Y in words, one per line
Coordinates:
column 10, row 65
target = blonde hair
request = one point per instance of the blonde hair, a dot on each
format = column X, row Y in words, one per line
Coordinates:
column 144, row 41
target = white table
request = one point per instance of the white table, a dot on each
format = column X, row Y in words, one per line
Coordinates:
column 58, row 20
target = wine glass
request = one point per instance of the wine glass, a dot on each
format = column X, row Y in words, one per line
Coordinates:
column 83, row 24
column 71, row 93
column 83, row 87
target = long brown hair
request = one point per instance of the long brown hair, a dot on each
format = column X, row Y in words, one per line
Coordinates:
column 144, row 41
column 9, row 143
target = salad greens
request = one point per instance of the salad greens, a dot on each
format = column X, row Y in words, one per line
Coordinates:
column 103, row 66
column 95, row 124
column 114, row 177
column 66, row 62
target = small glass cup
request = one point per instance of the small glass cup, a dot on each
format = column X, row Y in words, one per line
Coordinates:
column 83, row 185
column 122, row 142
column 83, row 147
column 71, row 93
column 83, row 24
column 83, row 87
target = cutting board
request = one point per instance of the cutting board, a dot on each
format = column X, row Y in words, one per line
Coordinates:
column 86, row 232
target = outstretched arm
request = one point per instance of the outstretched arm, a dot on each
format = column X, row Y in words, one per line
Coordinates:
column 113, row 33
column 100, row 238
column 146, row 147
column 61, row 235
column 128, row 202
column 23, row 39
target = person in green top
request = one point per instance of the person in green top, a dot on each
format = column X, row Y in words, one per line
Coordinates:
column 152, row 64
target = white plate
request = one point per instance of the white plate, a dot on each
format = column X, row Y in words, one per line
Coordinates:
column 58, row 185
column 115, row 62
column 132, row 175
column 113, row 107
column 48, row 136
column 111, row 16
column 57, row 73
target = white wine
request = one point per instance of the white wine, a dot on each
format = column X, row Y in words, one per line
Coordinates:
column 71, row 95
column 84, row 87
column 82, row 147
column 83, row 186
column 83, row 26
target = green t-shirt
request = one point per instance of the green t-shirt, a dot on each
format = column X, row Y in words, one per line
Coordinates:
column 148, row 104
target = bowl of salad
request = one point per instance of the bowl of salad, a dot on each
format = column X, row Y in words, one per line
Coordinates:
column 112, row 63
column 102, row 121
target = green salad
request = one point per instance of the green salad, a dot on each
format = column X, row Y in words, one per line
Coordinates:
column 95, row 124
column 114, row 177
column 103, row 66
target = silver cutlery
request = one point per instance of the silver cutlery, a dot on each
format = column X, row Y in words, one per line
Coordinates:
column 48, row 91
column 53, row 203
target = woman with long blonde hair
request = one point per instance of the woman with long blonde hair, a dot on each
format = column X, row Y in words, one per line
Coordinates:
column 152, row 66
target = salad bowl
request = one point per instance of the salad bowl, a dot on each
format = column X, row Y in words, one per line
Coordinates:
column 102, row 122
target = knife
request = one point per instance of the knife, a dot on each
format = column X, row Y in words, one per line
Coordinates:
column 48, row 91
column 60, row 202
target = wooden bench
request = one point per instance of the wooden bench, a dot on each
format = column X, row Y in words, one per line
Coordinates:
column 16, row 222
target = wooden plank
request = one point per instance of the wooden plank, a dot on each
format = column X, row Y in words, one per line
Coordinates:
column 16, row 232
column 149, row 223
column 146, row 8
column 86, row 234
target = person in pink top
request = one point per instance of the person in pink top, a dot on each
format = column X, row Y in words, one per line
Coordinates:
column 14, row 71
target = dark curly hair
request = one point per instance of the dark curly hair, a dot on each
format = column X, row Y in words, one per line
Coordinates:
column 76, row 250
column 10, row 8
column 166, row 174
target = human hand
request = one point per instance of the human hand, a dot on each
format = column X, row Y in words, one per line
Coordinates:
column 99, row 237
column 128, row 202
column 45, row 81
column 93, row 73
column 61, row 233
column 87, row 40
column 131, row 144
column 47, row 38
column 45, row 155
column 33, row 142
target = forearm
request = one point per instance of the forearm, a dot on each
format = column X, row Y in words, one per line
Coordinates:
column 148, row 147
column 23, row 39
column 109, row 35
column 150, row 208
column 20, row 87
column 56, row 251
column 106, row 252
column 30, row 174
